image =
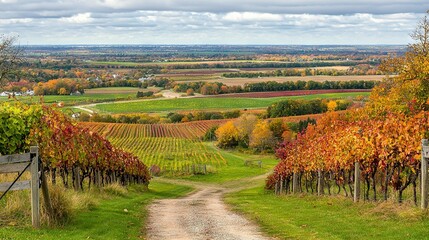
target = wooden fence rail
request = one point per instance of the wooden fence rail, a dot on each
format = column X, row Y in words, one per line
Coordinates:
column 19, row 163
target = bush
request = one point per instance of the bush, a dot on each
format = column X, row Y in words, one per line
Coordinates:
column 210, row 135
column 144, row 94
column 175, row 117
column 16, row 122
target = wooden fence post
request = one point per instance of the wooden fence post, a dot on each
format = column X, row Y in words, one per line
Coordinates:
column 276, row 188
column 319, row 183
column 295, row 183
column 424, row 170
column 356, row 195
column 35, row 206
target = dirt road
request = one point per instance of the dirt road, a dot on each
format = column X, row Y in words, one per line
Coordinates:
column 201, row 215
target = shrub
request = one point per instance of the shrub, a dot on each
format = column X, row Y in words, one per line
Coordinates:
column 227, row 135
column 210, row 135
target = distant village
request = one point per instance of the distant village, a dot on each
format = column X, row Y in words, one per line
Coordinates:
column 13, row 94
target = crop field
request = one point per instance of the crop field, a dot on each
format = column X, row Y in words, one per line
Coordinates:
column 171, row 154
column 242, row 81
column 215, row 74
column 290, row 93
column 190, row 130
column 172, row 147
column 207, row 103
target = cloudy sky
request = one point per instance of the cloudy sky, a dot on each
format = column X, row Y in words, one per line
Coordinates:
column 211, row 21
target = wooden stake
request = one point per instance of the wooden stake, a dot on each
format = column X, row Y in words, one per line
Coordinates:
column 319, row 183
column 424, row 178
column 356, row 195
column 35, row 206
column 295, row 183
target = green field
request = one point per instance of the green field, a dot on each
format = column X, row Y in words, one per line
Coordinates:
column 235, row 169
column 90, row 96
column 312, row 217
column 175, row 155
column 107, row 220
column 164, row 105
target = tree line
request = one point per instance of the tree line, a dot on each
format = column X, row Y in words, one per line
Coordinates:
column 361, row 69
column 214, row 88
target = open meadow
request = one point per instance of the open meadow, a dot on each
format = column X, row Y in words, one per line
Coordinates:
column 242, row 81
column 206, row 103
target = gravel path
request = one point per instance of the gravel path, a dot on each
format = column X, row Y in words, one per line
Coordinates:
column 201, row 215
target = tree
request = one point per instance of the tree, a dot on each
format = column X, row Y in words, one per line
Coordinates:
column 10, row 57
column 245, row 125
column 409, row 90
column 190, row 92
column 227, row 135
column 262, row 137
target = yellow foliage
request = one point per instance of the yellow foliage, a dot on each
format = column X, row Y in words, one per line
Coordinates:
column 262, row 137
column 227, row 135
column 332, row 105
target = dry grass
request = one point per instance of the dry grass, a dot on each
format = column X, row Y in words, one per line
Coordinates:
column 61, row 206
column 115, row 189
column 15, row 209
column 391, row 209
column 242, row 81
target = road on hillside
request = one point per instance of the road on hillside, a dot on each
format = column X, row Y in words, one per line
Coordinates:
column 201, row 215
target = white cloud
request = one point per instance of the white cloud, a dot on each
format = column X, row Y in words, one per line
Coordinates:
column 15, row 21
column 78, row 18
column 166, row 21
column 251, row 16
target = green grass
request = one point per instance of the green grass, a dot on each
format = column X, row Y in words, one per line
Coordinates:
column 312, row 217
column 92, row 96
column 163, row 105
column 107, row 221
column 235, row 168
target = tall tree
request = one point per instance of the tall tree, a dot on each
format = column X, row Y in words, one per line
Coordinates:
column 10, row 57
column 408, row 91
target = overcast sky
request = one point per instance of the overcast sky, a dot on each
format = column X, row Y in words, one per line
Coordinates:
column 211, row 21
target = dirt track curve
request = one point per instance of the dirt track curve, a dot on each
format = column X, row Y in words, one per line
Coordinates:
column 200, row 215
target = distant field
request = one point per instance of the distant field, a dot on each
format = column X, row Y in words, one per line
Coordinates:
column 242, row 81
column 206, row 103
column 90, row 96
column 290, row 93
column 215, row 74
column 179, row 62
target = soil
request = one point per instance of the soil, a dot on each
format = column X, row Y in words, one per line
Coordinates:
column 200, row 215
